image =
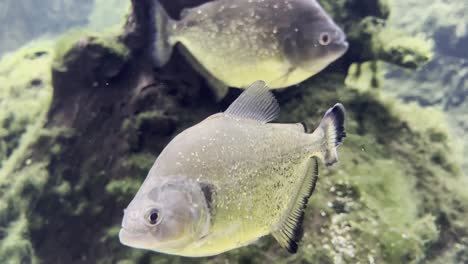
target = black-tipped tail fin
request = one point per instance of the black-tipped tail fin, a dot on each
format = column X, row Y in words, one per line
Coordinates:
column 162, row 50
column 332, row 127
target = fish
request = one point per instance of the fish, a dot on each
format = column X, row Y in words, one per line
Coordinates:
column 234, row 43
column 231, row 179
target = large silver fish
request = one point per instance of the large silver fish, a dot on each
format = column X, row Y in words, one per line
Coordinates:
column 232, row 179
column 234, row 43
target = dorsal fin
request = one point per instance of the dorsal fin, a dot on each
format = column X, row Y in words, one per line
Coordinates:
column 255, row 103
column 289, row 231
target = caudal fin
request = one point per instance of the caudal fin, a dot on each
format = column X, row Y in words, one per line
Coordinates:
column 162, row 50
column 332, row 130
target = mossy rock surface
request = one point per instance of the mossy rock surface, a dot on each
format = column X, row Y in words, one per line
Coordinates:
column 442, row 83
column 444, row 21
column 25, row 95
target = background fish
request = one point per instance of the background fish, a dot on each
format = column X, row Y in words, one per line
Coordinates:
column 232, row 179
column 234, row 43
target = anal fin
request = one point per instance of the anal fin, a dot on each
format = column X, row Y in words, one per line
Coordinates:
column 290, row 231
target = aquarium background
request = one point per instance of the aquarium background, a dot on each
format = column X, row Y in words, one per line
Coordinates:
column 83, row 115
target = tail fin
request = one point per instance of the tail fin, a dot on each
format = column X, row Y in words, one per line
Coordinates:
column 162, row 48
column 332, row 129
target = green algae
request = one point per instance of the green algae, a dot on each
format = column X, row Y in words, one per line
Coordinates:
column 22, row 182
column 24, row 108
column 442, row 85
column 15, row 248
column 155, row 122
column 25, row 93
column 364, row 76
column 19, row 196
column 137, row 166
column 390, row 44
column 81, row 37
column 26, row 149
column 443, row 20
column 396, row 47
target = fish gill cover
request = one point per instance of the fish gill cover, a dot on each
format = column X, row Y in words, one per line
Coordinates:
column 84, row 117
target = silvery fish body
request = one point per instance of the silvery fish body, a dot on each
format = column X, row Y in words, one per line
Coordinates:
column 232, row 179
column 234, row 43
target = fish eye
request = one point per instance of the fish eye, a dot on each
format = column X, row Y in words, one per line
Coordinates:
column 153, row 216
column 325, row 39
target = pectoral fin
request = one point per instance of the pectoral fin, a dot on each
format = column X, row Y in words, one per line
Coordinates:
column 289, row 232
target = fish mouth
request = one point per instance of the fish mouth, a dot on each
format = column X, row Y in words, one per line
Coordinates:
column 339, row 47
column 126, row 235
column 129, row 238
column 345, row 44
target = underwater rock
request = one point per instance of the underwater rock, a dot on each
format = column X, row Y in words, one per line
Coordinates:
column 442, row 83
column 25, row 93
column 370, row 38
column 25, row 83
column 390, row 45
column 71, row 161
column 443, row 21
column 365, row 75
